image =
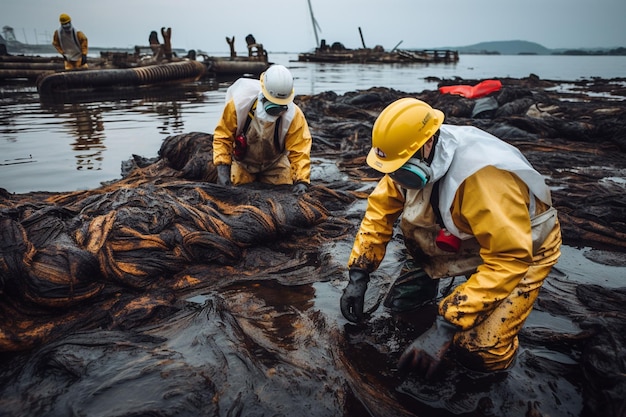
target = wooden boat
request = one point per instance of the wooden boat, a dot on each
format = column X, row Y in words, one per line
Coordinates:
column 160, row 56
column 337, row 52
column 33, row 67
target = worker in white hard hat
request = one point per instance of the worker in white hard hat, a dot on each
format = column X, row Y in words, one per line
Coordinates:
column 469, row 205
column 71, row 43
column 263, row 135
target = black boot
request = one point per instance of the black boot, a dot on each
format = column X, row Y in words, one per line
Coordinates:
column 411, row 290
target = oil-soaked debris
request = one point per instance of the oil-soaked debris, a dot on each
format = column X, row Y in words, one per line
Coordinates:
column 165, row 294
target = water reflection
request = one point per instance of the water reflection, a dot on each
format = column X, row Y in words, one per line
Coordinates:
column 85, row 112
column 77, row 140
column 170, row 117
column 88, row 128
column 86, row 125
column 135, row 121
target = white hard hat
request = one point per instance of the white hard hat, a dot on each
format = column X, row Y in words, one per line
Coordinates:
column 277, row 84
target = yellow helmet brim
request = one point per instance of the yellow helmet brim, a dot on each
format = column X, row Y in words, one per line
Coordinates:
column 383, row 165
column 377, row 159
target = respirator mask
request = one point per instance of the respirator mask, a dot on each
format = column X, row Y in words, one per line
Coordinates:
column 273, row 109
column 413, row 175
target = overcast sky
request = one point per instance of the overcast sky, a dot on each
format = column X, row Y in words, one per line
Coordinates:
column 285, row 25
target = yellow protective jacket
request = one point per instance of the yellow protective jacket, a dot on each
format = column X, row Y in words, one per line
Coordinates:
column 496, row 215
column 384, row 205
column 72, row 46
column 491, row 209
column 294, row 133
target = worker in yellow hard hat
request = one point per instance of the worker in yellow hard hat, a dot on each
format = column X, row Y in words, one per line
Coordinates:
column 470, row 206
column 70, row 43
column 263, row 135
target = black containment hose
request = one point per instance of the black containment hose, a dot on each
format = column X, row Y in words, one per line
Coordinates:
column 175, row 72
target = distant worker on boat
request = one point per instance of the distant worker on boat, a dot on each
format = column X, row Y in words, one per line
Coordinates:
column 71, row 43
column 153, row 40
column 263, row 135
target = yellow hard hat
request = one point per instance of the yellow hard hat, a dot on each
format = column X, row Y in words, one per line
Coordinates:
column 400, row 130
column 64, row 18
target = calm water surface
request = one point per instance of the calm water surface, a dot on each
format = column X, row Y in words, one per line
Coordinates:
column 78, row 145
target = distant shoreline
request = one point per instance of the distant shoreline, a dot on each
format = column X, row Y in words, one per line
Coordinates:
column 26, row 49
column 570, row 52
column 492, row 49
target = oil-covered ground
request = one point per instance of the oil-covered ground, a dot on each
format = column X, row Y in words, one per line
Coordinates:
column 165, row 294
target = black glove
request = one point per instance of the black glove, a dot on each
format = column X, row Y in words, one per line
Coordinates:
column 354, row 294
column 223, row 175
column 300, row 188
column 83, row 60
column 426, row 352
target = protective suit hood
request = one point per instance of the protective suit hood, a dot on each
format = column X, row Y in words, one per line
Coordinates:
column 463, row 150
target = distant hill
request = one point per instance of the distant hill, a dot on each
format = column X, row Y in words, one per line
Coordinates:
column 530, row 48
column 505, row 48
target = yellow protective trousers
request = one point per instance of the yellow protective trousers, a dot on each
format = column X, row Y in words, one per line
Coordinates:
column 72, row 65
column 492, row 343
column 279, row 173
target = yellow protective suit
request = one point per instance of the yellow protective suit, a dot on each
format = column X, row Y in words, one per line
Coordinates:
column 263, row 162
column 384, row 206
column 72, row 46
column 489, row 308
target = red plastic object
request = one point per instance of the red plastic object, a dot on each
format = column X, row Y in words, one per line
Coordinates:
column 240, row 148
column 447, row 241
column 476, row 91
